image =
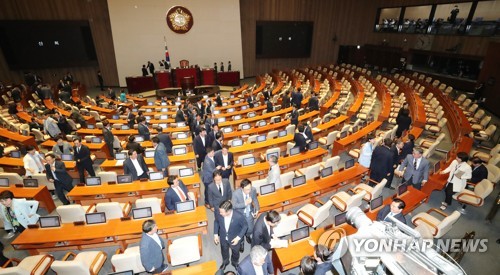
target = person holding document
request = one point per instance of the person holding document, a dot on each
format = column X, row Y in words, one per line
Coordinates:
column 459, row 172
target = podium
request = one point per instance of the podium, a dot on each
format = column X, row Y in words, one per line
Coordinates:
column 163, row 79
column 137, row 84
column 179, row 74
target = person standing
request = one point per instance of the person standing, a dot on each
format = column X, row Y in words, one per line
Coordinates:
column 245, row 201
column 82, row 158
column 263, row 229
column 297, row 98
column 144, row 70
column 17, row 214
column 274, row 175
column 109, row 138
column 50, row 125
column 407, row 147
column 177, row 192
column 479, row 171
column 57, row 174
column 396, row 150
column 160, row 157
column 459, row 172
column 313, row 103
column 300, row 138
column 225, row 160
column 151, row 68
column 101, row 80
column 151, row 248
column 229, row 67
column 257, row 262
column 143, row 128
column 294, row 117
column 218, row 191
column 165, row 139
column 365, row 154
column 403, row 122
column 32, row 161
column 135, row 166
column 130, row 118
column 381, row 162
column 200, row 147
column 417, row 169
column 229, row 229
column 285, row 100
column 61, row 147
column 251, row 100
column 222, row 66
column 207, row 175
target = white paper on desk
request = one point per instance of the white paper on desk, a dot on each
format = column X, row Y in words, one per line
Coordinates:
column 120, row 162
column 277, row 243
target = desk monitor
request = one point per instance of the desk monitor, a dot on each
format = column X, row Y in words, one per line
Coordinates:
column 30, row 182
column 231, row 96
column 277, row 120
column 261, row 138
column 179, row 151
column 177, row 103
column 298, row 181
column 230, row 110
column 299, row 234
column 163, row 103
column 236, row 142
column 237, row 117
column 349, row 163
column 4, row 182
column 181, row 124
column 294, row 151
column 376, row 203
column 90, row 126
column 95, row 218
column 149, row 154
column 343, row 134
column 340, row 218
column 156, row 175
column 49, row 221
column 135, row 110
column 163, row 117
column 216, row 112
column 272, row 154
column 402, row 189
column 313, row 145
column 116, row 117
column 93, row 181
column 237, row 101
column 66, row 157
column 262, row 123
column 251, row 114
column 120, row 156
column 15, row 154
column 227, row 130
column 327, row 119
column 362, row 124
column 149, row 110
column 245, row 126
column 181, row 207
column 325, row 172
column 164, row 110
column 282, row 133
column 355, row 129
column 314, row 124
column 125, row 127
column 244, row 107
column 182, row 136
column 437, row 166
column 163, row 125
column 124, row 179
column 267, row 189
column 221, row 119
column 248, row 161
column 96, row 140
column 186, row 172
column 224, row 104
column 139, row 138
column 142, row 213
column 150, row 103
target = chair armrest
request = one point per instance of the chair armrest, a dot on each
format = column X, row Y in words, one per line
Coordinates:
column 200, row 245
column 374, row 181
column 319, row 202
column 119, row 251
column 289, row 213
column 65, row 258
column 344, row 204
column 128, row 206
column 437, row 211
column 91, row 207
column 262, row 157
column 42, row 260
column 299, row 173
column 470, row 195
column 428, row 223
column 358, row 189
column 307, row 215
column 10, row 261
column 96, row 260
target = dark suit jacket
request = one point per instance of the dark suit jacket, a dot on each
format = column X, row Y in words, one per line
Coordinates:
column 151, row 253
column 144, row 131
column 308, row 132
column 179, row 116
column 260, row 234
column 214, row 196
column 171, row 198
column 267, row 95
column 403, row 123
column 209, row 123
column 251, row 100
column 407, row 149
column 216, row 145
column 323, row 268
column 381, row 163
column 136, row 146
column 295, row 117
column 167, row 141
column 219, row 160
column 129, row 168
column 385, row 211
column 313, row 104
column 199, row 148
column 131, row 120
column 297, row 99
column 208, row 170
column 478, row 174
column 83, row 156
column 109, row 138
column 269, row 107
column 300, row 141
column 246, row 267
column 61, row 173
column 395, row 155
column 237, row 227
column 218, row 100
column 285, row 102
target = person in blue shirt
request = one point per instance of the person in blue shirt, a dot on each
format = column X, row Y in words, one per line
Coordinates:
column 365, row 155
column 123, row 96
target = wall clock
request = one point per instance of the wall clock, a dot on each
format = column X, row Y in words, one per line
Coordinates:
column 179, row 19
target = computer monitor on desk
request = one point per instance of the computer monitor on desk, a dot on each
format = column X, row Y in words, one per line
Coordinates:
column 327, row 171
column 348, row 164
column 402, row 189
column 15, row 154
column 4, row 182
column 120, row 156
column 294, row 151
column 186, row 172
column 139, row 139
column 261, row 138
column 376, row 203
column 95, row 218
column 276, row 154
column 124, row 179
column 156, row 175
column 96, row 140
column 149, row 154
column 93, row 181
column 142, row 213
column 186, row 206
column 282, row 133
column 49, row 221
column 245, row 126
column 267, row 189
column 248, row 161
column 30, row 183
column 313, row 145
column 125, row 127
column 298, row 181
column 343, row 134
column 66, row 157
column 340, row 219
column 299, row 234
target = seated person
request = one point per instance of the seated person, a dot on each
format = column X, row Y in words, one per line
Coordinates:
column 177, row 192
column 395, row 209
column 17, row 214
column 301, row 140
column 479, row 171
column 135, row 166
column 322, row 255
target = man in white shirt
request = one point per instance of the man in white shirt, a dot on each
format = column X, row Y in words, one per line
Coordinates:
column 151, row 248
column 32, row 161
column 395, row 209
column 225, row 160
column 274, row 172
column 135, row 166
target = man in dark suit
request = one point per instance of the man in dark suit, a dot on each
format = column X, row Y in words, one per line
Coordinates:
column 62, row 123
column 160, row 158
column 300, row 139
column 251, row 100
column 407, row 147
column 259, row 258
column 285, row 100
column 308, row 132
column 479, row 171
column 151, row 248
column 177, row 192
column 200, row 145
column 196, row 125
column 403, row 121
column 225, row 160
column 381, row 162
column 151, row 68
column 266, row 94
column 313, row 103
column 132, row 145
column 207, row 175
column 245, row 201
column 34, row 124
column 269, row 106
column 294, row 117
column 165, row 139
column 179, row 115
column 130, row 118
column 395, row 150
column 56, row 173
column 263, row 229
column 218, row 100
column 217, row 142
column 229, row 228
column 417, row 169
column 200, row 107
column 144, row 70
column 109, row 138
column 218, row 191
column 143, row 128
column 210, row 122
column 135, row 166
column 82, row 157
column 297, row 98
column 395, row 209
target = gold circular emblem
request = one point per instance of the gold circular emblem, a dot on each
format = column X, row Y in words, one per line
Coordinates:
column 179, row 19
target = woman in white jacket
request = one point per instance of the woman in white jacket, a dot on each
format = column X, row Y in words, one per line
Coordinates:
column 17, row 213
column 459, row 172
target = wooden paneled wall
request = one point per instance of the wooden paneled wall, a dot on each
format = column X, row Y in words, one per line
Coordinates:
column 95, row 11
column 336, row 22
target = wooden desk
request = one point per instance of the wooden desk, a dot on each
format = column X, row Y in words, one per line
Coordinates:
column 50, row 105
column 152, row 121
column 114, row 232
column 129, row 192
column 98, row 132
column 26, row 140
column 284, row 199
column 204, row 268
column 260, row 147
column 96, row 148
column 18, row 162
column 138, row 100
column 185, row 141
column 343, row 144
column 187, row 160
column 40, row 194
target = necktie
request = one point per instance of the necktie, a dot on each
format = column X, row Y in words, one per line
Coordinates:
column 78, row 150
column 181, row 194
column 415, row 164
column 220, row 189
column 54, row 173
column 247, row 208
